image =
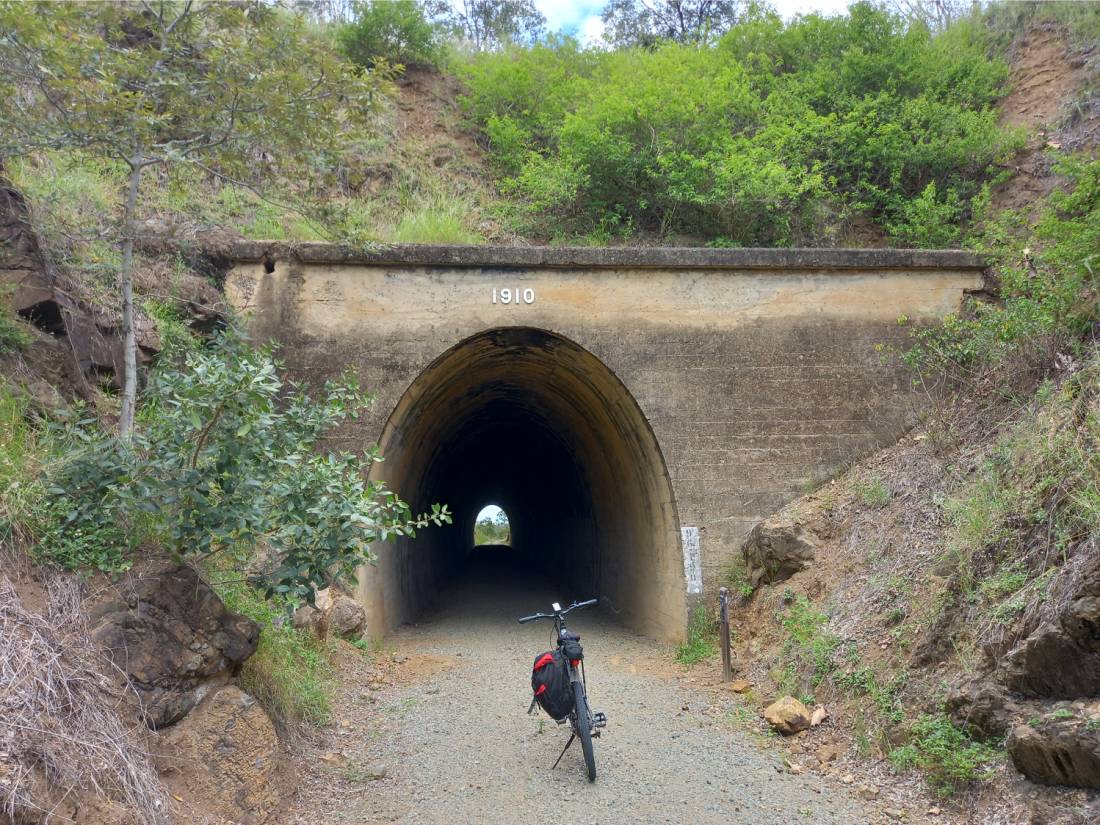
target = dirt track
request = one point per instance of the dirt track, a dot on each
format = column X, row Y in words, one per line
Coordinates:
column 456, row 745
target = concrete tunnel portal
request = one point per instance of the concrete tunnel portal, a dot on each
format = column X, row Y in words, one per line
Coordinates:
column 531, row 421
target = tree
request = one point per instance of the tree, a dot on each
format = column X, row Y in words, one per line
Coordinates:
column 936, row 14
column 488, row 24
column 224, row 87
column 645, row 22
column 399, row 31
column 229, row 456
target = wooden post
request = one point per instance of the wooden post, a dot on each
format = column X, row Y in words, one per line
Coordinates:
column 724, row 626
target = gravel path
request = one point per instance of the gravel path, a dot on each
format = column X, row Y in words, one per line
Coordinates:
column 455, row 744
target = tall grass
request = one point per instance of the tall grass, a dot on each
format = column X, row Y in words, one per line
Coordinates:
column 288, row 673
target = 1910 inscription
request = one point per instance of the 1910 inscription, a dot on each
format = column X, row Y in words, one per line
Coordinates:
column 513, row 296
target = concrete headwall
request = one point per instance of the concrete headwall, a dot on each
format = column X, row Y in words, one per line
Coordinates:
column 758, row 371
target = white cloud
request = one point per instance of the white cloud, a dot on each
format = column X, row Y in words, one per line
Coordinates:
column 591, row 31
column 569, row 16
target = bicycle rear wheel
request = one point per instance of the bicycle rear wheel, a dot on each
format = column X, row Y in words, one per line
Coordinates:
column 584, row 728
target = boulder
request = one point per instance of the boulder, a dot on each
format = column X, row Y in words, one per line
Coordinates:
column 1060, row 656
column 776, row 549
column 346, row 617
column 306, row 618
column 983, row 709
column 172, row 637
column 788, row 715
column 1057, row 751
column 224, row 760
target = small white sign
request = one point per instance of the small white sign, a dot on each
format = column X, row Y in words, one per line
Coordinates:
column 513, row 296
column 693, row 561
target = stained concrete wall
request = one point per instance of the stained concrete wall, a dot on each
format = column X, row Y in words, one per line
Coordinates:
column 759, row 371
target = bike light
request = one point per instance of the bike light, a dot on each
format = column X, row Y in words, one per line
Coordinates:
column 556, row 607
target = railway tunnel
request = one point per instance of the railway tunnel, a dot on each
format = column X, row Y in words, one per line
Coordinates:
column 531, row 421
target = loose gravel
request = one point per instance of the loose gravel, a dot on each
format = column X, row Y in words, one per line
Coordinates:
column 457, row 746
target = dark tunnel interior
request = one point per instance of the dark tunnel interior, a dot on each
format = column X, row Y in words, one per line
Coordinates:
column 534, row 423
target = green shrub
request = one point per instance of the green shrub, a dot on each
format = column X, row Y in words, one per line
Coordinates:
column 885, row 696
column 701, row 642
column 945, row 754
column 927, row 221
column 226, row 455
column 397, row 31
column 770, row 136
column 808, row 649
column 737, row 577
column 1049, row 277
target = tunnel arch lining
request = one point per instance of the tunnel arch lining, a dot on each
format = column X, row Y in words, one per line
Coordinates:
column 580, row 474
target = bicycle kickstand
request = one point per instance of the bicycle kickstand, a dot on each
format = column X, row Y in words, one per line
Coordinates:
column 563, row 750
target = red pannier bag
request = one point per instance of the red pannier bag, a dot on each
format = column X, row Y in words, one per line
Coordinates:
column 550, row 682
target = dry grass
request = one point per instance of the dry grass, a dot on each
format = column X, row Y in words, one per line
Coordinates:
column 60, row 731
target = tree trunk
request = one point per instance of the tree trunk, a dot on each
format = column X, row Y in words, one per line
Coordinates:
column 126, row 279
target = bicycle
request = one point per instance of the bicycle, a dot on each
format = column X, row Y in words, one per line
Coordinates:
column 585, row 724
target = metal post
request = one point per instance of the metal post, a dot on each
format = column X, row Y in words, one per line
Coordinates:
column 724, row 626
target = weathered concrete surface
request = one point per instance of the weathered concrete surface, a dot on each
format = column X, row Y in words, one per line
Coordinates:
column 683, row 395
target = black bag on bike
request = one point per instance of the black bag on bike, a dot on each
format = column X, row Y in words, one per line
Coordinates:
column 571, row 647
column 550, row 682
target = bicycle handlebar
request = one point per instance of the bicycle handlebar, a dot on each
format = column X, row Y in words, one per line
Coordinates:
column 574, row 606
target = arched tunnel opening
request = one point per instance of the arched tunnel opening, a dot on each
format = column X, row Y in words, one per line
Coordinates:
column 492, row 527
column 536, row 424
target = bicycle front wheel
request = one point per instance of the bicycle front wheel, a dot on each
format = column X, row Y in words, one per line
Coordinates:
column 584, row 728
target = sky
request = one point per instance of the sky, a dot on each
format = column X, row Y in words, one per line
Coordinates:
column 582, row 17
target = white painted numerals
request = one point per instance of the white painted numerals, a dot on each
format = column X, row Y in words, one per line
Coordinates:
column 513, row 296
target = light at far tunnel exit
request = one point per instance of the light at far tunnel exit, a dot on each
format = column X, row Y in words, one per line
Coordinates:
column 491, row 527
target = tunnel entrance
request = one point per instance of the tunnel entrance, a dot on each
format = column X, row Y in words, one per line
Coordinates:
column 536, row 424
column 492, row 527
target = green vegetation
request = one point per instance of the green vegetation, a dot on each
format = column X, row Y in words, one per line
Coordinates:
column 884, row 695
column 808, row 649
column 945, row 754
column 13, row 332
column 423, row 32
column 775, row 134
column 737, row 577
column 437, row 221
column 225, row 457
column 1043, row 470
column 202, row 86
column 21, row 458
column 288, row 671
column 492, row 528
column 873, row 493
column 1082, row 20
column 702, row 639
column 392, row 31
column 1048, row 282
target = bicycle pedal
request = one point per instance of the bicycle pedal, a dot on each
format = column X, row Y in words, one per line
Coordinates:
column 599, row 719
